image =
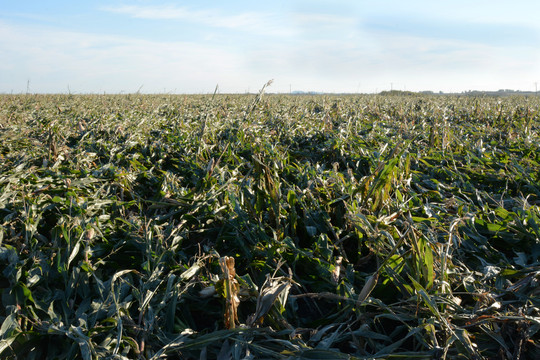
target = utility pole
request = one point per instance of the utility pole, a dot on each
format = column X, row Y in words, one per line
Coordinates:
column 536, row 88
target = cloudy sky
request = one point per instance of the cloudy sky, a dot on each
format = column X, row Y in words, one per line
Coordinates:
column 334, row 46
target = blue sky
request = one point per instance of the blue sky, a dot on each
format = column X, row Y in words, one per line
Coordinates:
column 334, row 46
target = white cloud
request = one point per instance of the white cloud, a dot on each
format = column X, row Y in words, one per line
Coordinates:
column 147, row 12
column 253, row 22
column 318, row 19
column 369, row 61
column 53, row 59
column 309, row 51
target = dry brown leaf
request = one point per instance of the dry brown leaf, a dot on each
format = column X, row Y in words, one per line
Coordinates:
column 368, row 287
column 231, row 287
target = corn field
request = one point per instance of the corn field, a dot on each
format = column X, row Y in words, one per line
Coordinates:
column 269, row 227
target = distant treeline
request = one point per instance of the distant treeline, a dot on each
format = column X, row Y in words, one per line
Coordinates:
column 502, row 92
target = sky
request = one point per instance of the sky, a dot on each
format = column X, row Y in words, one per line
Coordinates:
column 113, row 46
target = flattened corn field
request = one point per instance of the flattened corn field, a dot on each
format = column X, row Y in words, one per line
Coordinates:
column 260, row 227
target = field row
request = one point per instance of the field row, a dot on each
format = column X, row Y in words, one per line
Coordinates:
column 151, row 226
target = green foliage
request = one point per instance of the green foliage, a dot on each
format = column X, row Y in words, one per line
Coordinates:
column 351, row 227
